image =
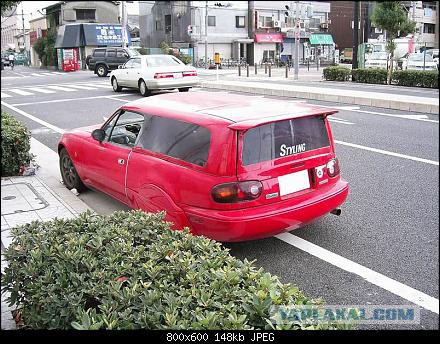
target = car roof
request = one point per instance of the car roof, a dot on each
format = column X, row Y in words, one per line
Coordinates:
column 226, row 108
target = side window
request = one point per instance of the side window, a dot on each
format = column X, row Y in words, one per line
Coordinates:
column 181, row 140
column 108, row 128
column 111, row 53
column 120, row 53
column 126, row 129
column 99, row 53
column 129, row 64
column 136, row 63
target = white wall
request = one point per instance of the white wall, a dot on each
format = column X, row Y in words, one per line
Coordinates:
column 259, row 49
column 224, row 49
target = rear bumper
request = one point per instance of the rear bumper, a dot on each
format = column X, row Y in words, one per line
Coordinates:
column 165, row 84
column 265, row 221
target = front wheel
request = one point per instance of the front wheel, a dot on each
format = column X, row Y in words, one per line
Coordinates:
column 115, row 85
column 143, row 89
column 70, row 177
column 102, row 71
column 184, row 89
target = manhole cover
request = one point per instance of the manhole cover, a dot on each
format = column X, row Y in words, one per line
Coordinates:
column 22, row 198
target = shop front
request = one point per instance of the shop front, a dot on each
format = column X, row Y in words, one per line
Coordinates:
column 322, row 46
column 267, row 47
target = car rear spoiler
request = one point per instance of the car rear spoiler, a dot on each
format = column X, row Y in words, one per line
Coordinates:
column 252, row 123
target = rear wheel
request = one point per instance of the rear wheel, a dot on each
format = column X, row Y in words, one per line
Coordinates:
column 115, row 85
column 68, row 172
column 184, row 89
column 101, row 70
column 144, row 91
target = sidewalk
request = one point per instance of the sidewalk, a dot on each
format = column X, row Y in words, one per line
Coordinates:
column 26, row 199
column 275, row 87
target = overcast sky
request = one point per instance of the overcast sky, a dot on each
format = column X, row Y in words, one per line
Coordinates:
column 32, row 7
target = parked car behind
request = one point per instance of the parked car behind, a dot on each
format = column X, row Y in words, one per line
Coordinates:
column 230, row 167
column 154, row 72
column 103, row 60
column 420, row 61
column 377, row 60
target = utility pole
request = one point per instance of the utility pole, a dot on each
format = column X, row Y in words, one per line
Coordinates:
column 354, row 62
column 297, row 34
column 206, row 35
column 124, row 25
column 22, row 22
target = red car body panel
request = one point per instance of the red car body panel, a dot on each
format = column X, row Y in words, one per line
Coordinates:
column 154, row 182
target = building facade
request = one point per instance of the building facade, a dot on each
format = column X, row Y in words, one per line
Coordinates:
column 12, row 30
column 425, row 14
column 38, row 29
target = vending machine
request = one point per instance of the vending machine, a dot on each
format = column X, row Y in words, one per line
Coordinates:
column 68, row 59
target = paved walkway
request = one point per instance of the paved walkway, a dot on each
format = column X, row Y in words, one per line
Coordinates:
column 26, row 199
column 339, row 95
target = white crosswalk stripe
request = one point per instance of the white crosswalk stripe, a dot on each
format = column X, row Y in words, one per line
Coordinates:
column 5, row 95
column 82, row 87
column 102, row 86
column 50, row 74
column 21, row 92
column 59, row 73
column 36, row 74
column 59, row 88
column 40, row 90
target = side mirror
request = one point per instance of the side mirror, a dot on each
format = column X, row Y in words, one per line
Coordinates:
column 98, row 135
column 126, row 55
column 120, row 66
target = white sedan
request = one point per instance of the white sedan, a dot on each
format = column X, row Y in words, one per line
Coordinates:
column 154, row 72
column 420, row 61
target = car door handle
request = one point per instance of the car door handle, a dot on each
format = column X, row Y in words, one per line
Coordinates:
column 121, row 161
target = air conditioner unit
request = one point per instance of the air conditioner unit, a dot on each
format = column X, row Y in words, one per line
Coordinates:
column 276, row 23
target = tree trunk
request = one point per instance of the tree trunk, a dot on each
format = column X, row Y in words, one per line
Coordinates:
column 390, row 69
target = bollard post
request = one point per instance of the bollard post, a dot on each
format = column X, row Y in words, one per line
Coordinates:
column 308, row 64
column 255, row 65
column 247, row 70
column 265, row 68
column 270, row 70
column 287, row 71
column 239, row 70
column 216, row 77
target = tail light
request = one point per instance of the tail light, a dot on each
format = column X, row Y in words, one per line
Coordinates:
column 163, row 75
column 237, row 192
column 191, row 73
column 333, row 168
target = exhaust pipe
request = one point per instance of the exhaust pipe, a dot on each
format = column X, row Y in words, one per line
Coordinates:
column 336, row 211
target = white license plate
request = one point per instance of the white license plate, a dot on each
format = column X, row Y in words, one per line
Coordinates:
column 294, row 182
column 177, row 75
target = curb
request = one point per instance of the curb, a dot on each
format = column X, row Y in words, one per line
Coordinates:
column 410, row 103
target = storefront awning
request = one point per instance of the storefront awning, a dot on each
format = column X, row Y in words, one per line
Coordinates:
column 68, row 36
column 321, row 39
column 268, row 38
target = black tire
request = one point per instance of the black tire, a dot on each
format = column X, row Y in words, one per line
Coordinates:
column 70, row 177
column 115, row 85
column 184, row 89
column 143, row 89
column 101, row 70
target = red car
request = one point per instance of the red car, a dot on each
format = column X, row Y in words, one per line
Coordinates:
column 229, row 167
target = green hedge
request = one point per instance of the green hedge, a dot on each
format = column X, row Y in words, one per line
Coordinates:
column 336, row 73
column 416, row 78
column 130, row 271
column 370, row 75
column 15, row 145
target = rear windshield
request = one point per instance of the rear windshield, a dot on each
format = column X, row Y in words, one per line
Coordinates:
column 165, row 60
column 284, row 138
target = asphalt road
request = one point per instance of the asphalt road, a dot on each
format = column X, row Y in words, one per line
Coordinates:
column 389, row 223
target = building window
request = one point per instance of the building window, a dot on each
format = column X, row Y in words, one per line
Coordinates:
column 429, row 28
column 211, row 20
column 168, row 23
column 85, row 14
column 157, row 25
column 239, row 21
column 264, row 21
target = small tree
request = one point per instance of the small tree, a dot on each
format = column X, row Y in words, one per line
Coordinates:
column 390, row 16
column 7, row 5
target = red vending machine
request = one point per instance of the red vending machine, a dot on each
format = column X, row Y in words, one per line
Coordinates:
column 69, row 59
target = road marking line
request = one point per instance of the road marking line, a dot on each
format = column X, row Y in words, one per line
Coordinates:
column 102, row 85
column 82, row 87
column 5, row 95
column 41, row 90
column 382, row 281
column 21, row 75
column 341, row 122
column 21, row 92
column 432, row 162
column 71, row 99
column 36, row 74
column 25, row 114
column 59, row 88
column 49, row 74
column 58, row 73
column 121, row 100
